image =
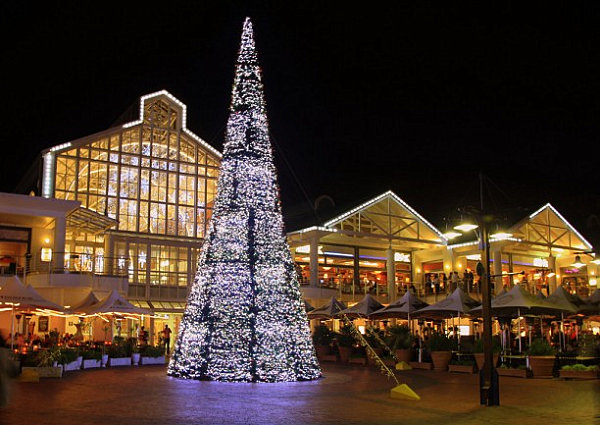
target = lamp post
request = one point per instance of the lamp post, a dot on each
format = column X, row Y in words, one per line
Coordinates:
column 489, row 390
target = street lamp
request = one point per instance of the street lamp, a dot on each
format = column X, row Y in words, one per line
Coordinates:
column 489, row 390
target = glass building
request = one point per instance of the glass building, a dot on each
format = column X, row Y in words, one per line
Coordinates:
column 158, row 180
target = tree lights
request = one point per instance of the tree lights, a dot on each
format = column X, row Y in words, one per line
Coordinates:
column 245, row 318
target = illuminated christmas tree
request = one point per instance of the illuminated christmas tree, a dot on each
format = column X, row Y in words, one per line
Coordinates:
column 245, row 318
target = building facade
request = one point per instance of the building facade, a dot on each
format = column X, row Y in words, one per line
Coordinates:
column 157, row 180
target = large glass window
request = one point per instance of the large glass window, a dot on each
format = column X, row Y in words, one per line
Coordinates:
column 146, row 176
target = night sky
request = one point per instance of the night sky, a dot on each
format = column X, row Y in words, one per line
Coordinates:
column 414, row 98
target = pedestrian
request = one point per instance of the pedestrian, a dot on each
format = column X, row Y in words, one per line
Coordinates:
column 167, row 338
column 436, row 284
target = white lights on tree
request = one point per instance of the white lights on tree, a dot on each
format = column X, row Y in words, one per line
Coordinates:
column 245, row 319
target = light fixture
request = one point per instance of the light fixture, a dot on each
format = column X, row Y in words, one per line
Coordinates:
column 501, row 235
column 466, row 227
column 451, row 235
column 578, row 264
column 551, row 274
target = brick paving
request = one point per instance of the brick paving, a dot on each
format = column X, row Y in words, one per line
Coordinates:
column 347, row 395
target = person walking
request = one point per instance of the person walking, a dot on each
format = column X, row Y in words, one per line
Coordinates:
column 167, row 338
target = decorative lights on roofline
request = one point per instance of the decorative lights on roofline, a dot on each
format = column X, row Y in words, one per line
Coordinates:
column 183, row 118
column 548, row 205
column 397, row 199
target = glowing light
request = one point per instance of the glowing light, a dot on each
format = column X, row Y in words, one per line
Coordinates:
column 540, row 262
column 451, row 235
column 401, row 257
column 501, row 236
column 466, row 227
column 245, row 319
column 569, row 226
column 46, row 255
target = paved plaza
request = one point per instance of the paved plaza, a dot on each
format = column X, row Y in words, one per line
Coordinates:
column 347, row 395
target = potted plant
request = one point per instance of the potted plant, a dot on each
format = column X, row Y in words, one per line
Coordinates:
column 440, row 348
column 44, row 363
column 478, row 352
column 541, row 358
column 580, row 371
column 151, row 354
column 69, row 359
column 345, row 342
column 117, row 356
column 399, row 340
column 462, row 366
column 520, row 371
column 322, row 337
column 91, row 359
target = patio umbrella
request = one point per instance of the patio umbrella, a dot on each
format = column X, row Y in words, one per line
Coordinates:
column 363, row 308
column 328, row 310
column 401, row 308
column 89, row 300
column 456, row 304
column 518, row 302
column 23, row 298
column 567, row 304
column 308, row 307
column 113, row 303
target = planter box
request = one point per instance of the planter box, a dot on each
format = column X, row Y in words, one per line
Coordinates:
column 46, row 372
column 479, row 360
column 152, row 360
column 461, row 368
column 403, row 355
column 322, row 350
column 358, row 360
column 541, row 366
column 329, row 358
column 75, row 365
column 516, row 373
column 421, row 365
column 91, row 363
column 440, row 359
column 580, row 374
column 389, row 362
column 119, row 361
column 345, row 353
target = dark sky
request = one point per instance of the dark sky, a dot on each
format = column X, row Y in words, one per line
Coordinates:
column 417, row 98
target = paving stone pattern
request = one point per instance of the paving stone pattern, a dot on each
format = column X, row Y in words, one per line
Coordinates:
column 347, row 395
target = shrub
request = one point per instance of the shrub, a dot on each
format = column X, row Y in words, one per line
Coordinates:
column 322, row 335
column 398, row 337
column 580, row 368
column 344, row 337
column 91, row 355
column 152, row 351
column 440, row 342
column 540, row 347
column 116, row 351
column 67, row 355
column 496, row 346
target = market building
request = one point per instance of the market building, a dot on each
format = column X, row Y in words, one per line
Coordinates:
column 127, row 208
column 150, row 183
column 356, row 252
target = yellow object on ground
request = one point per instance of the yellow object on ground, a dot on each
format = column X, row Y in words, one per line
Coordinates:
column 403, row 366
column 29, row 375
column 404, row 392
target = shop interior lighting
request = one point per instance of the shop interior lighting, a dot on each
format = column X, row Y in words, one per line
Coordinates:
column 466, row 227
column 451, row 235
column 578, row 264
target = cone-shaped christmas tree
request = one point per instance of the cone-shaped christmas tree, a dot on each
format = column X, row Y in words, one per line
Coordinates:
column 245, row 318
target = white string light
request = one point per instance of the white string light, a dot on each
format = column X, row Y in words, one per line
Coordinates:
column 245, row 318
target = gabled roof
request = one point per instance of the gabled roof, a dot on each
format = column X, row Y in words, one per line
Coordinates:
column 548, row 227
column 388, row 215
column 143, row 100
